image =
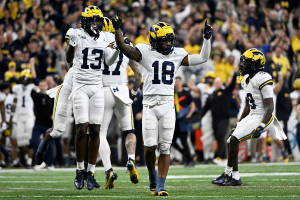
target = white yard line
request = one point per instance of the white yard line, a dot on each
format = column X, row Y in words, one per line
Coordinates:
column 144, row 167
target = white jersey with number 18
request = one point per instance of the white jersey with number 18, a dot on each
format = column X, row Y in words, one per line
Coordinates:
column 159, row 69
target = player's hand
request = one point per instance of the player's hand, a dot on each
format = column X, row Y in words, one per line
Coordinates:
column 8, row 130
column 3, row 126
column 132, row 94
column 117, row 21
column 73, row 41
column 207, row 31
column 257, row 132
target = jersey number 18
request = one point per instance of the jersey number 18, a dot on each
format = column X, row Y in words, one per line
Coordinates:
column 164, row 74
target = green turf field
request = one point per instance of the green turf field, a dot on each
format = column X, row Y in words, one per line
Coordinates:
column 270, row 181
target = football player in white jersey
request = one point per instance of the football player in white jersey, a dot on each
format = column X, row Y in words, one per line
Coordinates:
column 117, row 101
column 257, row 115
column 87, row 48
column 10, row 106
column 159, row 62
column 24, row 116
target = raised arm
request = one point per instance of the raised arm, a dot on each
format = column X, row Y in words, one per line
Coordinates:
column 137, row 74
column 131, row 52
column 191, row 84
column 192, row 60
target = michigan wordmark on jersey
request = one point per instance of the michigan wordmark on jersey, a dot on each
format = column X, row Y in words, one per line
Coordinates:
column 89, row 56
column 159, row 69
column 253, row 88
column 24, row 100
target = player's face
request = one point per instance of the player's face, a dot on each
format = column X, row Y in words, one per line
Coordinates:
column 6, row 91
column 166, row 44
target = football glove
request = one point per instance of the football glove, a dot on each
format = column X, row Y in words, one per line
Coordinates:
column 257, row 132
column 117, row 21
column 207, row 31
column 132, row 94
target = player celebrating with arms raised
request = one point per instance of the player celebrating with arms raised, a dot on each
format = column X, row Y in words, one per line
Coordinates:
column 88, row 47
column 257, row 115
column 160, row 61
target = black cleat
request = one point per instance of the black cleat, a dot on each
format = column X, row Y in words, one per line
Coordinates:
column 79, row 179
column 152, row 188
column 90, row 181
column 39, row 157
column 96, row 184
column 111, row 176
column 233, row 182
column 162, row 192
column 222, row 179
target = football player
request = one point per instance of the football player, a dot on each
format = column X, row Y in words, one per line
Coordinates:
column 87, row 48
column 159, row 61
column 257, row 115
column 117, row 101
column 10, row 106
column 24, row 117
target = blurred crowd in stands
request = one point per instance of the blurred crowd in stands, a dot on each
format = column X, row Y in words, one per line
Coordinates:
column 32, row 37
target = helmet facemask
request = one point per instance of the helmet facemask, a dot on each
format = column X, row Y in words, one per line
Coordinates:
column 248, row 66
column 92, row 25
column 168, row 41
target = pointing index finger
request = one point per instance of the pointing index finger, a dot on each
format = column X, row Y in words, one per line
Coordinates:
column 205, row 22
column 118, row 12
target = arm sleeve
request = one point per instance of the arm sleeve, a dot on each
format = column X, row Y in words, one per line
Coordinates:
column 203, row 56
column 110, row 55
column 267, row 92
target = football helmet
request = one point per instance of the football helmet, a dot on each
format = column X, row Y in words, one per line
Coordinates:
column 159, row 34
column 107, row 25
column 251, row 61
column 92, row 20
column 25, row 77
column 296, row 84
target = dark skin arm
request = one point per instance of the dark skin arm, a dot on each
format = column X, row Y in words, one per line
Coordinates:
column 270, row 107
column 246, row 110
column 131, row 52
column 70, row 52
column 185, row 61
column 137, row 74
column 13, row 108
column 2, row 111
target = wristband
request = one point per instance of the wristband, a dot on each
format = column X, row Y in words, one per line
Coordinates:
column 262, row 124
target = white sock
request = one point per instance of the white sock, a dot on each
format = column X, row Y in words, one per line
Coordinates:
column 228, row 170
column 26, row 156
column 65, row 155
column 29, row 161
column 132, row 156
column 211, row 155
column 91, row 168
column 80, row 165
column 15, row 161
column 236, row 175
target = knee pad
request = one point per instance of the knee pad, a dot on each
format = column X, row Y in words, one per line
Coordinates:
column 95, row 119
column 128, row 132
column 164, row 148
column 169, row 121
column 150, row 122
column 56, row 133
